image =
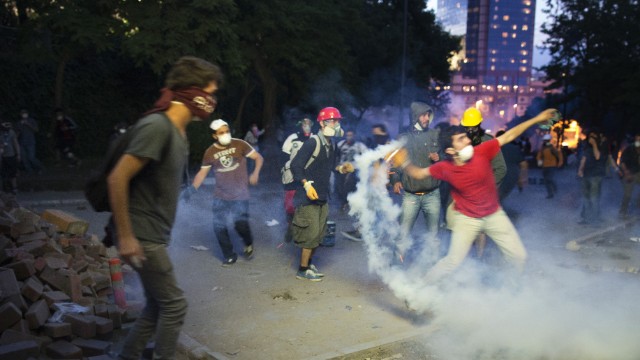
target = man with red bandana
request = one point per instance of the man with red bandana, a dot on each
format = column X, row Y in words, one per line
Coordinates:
column 143, row 193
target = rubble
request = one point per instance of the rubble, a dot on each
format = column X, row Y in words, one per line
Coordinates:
column 48, row 265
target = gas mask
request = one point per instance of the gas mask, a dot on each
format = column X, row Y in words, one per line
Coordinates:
column 224, row 139
column 333, row 131
column 466, row 153
column 475, row 134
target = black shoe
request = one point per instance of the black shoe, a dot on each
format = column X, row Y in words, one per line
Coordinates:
column 230, row 260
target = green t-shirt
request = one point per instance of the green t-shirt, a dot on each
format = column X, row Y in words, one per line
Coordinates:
column 154, row 191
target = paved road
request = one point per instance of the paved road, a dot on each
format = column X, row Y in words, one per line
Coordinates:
column 258, row 310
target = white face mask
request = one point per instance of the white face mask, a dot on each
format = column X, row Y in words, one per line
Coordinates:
column 332, row 131
column 466, row 153
column 637, row 144
column 306, row 129
column 224, row 139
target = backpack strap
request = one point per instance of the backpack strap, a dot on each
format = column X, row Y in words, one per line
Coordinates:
column 316, row 151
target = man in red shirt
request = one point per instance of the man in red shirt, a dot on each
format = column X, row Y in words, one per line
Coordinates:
column 477, row 208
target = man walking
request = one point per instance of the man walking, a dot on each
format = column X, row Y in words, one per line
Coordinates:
column 550, row 159
column 311, row 199
column 143, row 193
column 630, row 167
column 228, row 159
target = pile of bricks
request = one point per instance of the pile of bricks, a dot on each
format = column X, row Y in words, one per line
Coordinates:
column 55, row 287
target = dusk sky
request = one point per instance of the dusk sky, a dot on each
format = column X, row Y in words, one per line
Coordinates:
column 540, row 58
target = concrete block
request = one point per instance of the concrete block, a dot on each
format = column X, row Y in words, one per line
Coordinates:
column 81, row 325
column 9, row 315
column 37, row 314
column 63, row 349
column 20, row 350
column 32, row 289
column 65, row 221
column 92, row 347
column 57, row 330
column 8, row 283
column 52, row 297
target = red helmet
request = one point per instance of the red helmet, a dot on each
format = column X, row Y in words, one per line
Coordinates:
column 329, row 113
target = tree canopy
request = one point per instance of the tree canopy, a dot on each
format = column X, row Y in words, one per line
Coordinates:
column 595, row 51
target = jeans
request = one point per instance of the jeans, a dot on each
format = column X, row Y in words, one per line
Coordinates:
column 591, row 188
column 29, row 160
column 238, row 211
column 411, row 205
column 165, row 310
column 465, row 230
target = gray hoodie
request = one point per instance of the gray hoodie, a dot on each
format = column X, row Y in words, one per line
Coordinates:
column 419, row 143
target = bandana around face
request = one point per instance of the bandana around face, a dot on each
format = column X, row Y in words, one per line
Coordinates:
column 199, row 102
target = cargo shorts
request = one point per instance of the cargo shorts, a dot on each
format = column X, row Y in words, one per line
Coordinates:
column 309, row 225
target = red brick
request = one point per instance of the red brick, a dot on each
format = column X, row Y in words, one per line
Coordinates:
column 9, row 315
column 62, row 349
column 37, row 314
column 56, row 262
column 81, row 325
column 115, row 314
column 32, row 289
column 20, row 350
column 25, row 238
column 91, row 347
column 103, row 325
column 57, row 330
column 35, row 248
column 22, row 269
column 55, row 297
column 5, row 243
column 21, row 326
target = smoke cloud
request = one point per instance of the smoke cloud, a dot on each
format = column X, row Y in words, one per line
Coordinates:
column 552, row 313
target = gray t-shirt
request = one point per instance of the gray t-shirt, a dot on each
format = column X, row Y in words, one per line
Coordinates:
column 154, row 192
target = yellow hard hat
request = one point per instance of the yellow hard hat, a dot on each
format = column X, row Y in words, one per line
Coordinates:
column 471, row 117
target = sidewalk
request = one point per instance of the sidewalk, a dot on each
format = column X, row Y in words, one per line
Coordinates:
column 257, row 309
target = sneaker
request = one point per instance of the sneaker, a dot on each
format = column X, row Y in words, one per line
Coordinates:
column 308, row 275
column 230, row 260
column 353, row 235
column 315, row 270
column 248, row 252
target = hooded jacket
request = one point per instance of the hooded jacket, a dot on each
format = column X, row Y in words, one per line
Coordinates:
column 419, row 143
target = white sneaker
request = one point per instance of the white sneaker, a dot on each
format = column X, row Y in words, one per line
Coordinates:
column 315, row 270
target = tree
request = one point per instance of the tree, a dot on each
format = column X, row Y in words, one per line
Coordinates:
column 595, row 52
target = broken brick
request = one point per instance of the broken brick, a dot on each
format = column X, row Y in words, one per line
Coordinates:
column 37, row 314
column 32, row 289
column 57, row 330
column 20, row 350
column 92, row 347
column 9, row 315
column 81, row 325
column 52, row 297
column 63, row 349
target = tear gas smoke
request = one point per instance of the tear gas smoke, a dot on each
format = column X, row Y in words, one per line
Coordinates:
column 553, row 313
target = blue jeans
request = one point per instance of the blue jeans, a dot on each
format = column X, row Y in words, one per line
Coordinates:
column 165, row 310
column 591, row 188
column 411, row 205
column 29, row 160
column 238, row 211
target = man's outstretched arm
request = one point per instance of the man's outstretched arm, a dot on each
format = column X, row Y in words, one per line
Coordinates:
column 517, row 130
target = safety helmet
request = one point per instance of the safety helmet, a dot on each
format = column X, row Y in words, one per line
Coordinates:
column 329, row 113
column 471, row 117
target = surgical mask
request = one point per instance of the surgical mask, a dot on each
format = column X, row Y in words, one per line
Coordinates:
column 224, row 139
column 637, row 144
column 333, row 131
column 466, row 153
column 306, row 129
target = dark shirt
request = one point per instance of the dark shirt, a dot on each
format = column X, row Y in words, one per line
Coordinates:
column 631, row 158
column 593, row 167
column 319, row 171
